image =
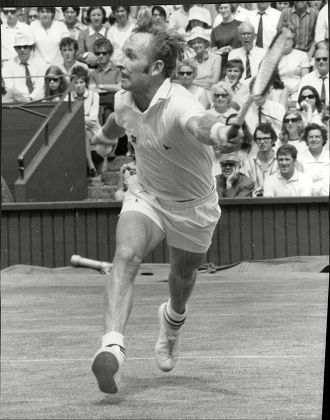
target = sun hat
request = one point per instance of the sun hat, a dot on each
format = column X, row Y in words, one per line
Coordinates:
column 23, row 37
column 198, row 32
column 201, row 14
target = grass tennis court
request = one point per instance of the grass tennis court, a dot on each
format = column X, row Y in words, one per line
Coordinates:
column 252, row 347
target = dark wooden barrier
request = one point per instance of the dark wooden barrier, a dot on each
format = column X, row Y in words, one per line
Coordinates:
column 47, row 234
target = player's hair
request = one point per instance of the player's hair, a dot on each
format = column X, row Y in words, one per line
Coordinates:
column 266, row 128
column 166, row 45
column 103, row 43
column 314, row 126
column 287, row 149
column 67, row 42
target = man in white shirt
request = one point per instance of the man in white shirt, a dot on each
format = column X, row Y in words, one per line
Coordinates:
column 319, row 77
column 24, row 74
column 265, row 20
column 288, row 181
column 322, row 25
column 8, row 32
column 250, row 54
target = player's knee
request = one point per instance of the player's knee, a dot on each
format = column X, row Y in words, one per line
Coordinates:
column 128, row 256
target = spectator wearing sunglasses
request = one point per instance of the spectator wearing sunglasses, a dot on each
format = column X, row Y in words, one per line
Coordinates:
column 222, row 96
column 292, row 131
column 310, row 104
column 9, row 28
column 55, row 84
column 23, row 75
column 319, row 77
column 186, row 73
column 32, row 14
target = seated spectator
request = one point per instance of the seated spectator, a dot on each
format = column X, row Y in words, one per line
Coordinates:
column 199, row 16
column 322, row 26
column 125, row 172
column 224, row 37
column 96, row 17
column 186, row 72
column 208, row 63
column 55, row 84
column 24, row 74
column 264, row 164
column 222, row 99
column 120, row 30
column 32, row 14
column 315, row 160
column 325, row 122
column 292, row 131
column 310, row 105
column 293, row 66
column 278, row 92
column 72, row 22
column 159, row 14
column 69, row 49
column 317, row 4
column 8, row 32
column 250, row 54
column 234, row 71
column 288, row 181
column 240, row 13
column 319, row 77
column 91, row 112
column 264, row 20
column 47, row 33
column 302, row 18
column 106, row 77
column 231, row 182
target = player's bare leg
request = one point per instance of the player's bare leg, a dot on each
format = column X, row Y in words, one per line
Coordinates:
column 172, row 314
column 136, row 236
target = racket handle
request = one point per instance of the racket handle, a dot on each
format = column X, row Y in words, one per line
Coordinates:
column 103, row 266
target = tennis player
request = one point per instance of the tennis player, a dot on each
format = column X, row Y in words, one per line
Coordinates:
column 172, row 195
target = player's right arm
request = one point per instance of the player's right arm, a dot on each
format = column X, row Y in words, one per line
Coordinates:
column 109, row 133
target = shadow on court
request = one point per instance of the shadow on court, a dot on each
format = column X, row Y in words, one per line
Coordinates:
column 252, row 347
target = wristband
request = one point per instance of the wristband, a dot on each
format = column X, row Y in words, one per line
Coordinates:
column 214, row 131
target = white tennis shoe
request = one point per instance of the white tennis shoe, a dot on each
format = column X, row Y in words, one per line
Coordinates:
column 106, row 367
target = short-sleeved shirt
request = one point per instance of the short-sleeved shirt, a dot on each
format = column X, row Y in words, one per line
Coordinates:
column 299, row 185
column 171, row 163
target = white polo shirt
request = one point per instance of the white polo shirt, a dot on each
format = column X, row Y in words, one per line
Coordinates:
column 317, row 169
column 299, row 185
column 171, row 163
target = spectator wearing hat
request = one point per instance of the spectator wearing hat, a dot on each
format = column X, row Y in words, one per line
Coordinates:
column 250, row 54
column 199, row 16
column 9, row 28
column 23, row 75
column 264, row 164
column 208, row 63
column 72, row 22
column 231, row 182
column 47, row 33
column 264, row 19
column 288, row 181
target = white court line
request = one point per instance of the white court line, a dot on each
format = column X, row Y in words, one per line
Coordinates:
column 152, row 358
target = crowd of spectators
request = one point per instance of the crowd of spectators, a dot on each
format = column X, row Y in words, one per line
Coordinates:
column 284, row 149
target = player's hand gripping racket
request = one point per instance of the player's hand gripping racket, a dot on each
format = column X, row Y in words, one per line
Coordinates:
column 263, row 78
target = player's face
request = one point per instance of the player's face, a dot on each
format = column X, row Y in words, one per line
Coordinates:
column 315, row 141
column 68, row 53
column 286, row 165
column 233, row 74
column 136, row 62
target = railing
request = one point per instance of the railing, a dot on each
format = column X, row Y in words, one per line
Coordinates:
column 28, row 153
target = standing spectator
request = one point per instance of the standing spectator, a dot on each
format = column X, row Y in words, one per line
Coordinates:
column 264, row 164
column 186, row 72
column 231, row 182
column 265, row 20
column 8, row 32
column 293, row 66
column 317, row 4
column 224, row 37
column 47, row 34
column 69, row 49
column 222, row 98
column 303, row 19
column 310, row 105
column 322, row 26
column 72, row 22
column 32, row 14
column 315, row 160
column 55, row 83
column 281, row 5
column 96, row 18
column 240, row 13
column 120, row 30
column 208, row 63
column 234, row 72
column 319, row 77
column 23, row 75
column 250, row 54
column 292, row 131
column 179, row 19
column 288, row 181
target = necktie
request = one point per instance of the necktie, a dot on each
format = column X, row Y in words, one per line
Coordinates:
column 259, row 41
column 259, row 114
column 247, row 66
column 323, row 90
column 28, row 79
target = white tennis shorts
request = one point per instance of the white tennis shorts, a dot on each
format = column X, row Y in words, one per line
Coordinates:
column 187, row 225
